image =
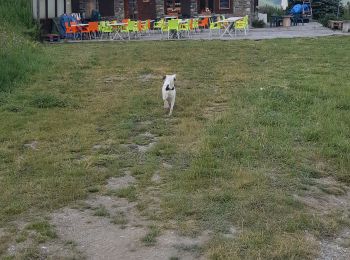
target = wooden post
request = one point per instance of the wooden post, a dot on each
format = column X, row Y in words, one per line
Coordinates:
column 38, row 10
column 46, row 9
column 56, row 8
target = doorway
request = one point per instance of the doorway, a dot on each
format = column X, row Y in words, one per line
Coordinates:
column 146, row 9
column 106, row 7
column 130, row 9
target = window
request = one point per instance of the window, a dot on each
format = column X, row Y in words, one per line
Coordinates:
column 225, row 4
column 173, row 6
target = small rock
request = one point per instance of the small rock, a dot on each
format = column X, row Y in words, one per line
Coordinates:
column 145, row 148
column 167, row 166
column 33, row 145
column 12, row 250
column 156, row 177
column 97, row 147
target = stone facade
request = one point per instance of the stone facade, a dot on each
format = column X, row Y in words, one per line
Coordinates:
column 160, row 8
column 239, row 7
column 194, row 7
column 242, row 7
column 119, row 8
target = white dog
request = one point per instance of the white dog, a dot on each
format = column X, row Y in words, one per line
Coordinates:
column 169, row 92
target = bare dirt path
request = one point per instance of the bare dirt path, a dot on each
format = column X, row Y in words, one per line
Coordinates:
column 117, row 231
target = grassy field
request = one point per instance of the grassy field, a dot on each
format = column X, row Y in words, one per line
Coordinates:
column 256, row 123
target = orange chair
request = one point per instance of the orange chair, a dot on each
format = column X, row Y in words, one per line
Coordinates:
column 75, row 28
column 71, row 29
column 204, row 23
column 93, row 28
column 84, row 29
column 139, row 26
column 191, row 24
column 125, row 20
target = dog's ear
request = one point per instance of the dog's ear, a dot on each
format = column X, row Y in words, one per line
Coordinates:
column 175, row 77
column 164, row 77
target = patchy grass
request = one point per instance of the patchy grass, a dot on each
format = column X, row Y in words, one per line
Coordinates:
column 44, row 231
column 120, row 219
column 150, row 238
column 127, row 192
column 254, row 122
column 101, row 211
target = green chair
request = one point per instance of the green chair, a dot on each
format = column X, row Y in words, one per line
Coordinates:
column 186, row 27
column 146, row 26
column 130, row 28
column 214, row 26
column 164, row 29
column 242, row 25
column 158, row 25
column 104, row 29
column 174, row 27
column 195, row 25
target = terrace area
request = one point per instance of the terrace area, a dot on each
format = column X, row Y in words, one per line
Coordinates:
column 222, row 31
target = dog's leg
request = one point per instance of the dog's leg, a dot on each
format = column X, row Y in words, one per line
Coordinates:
column 166, row 104
column 172, row 106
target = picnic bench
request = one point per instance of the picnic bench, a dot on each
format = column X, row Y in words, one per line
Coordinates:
column 335, row 24
column 51, row 37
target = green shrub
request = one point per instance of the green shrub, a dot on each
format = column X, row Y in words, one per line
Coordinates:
column 258, row 24
column 270, row 10
column 19, row 55
column 324, row 20
column 18, row 13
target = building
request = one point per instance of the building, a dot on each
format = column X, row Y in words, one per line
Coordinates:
column 142, row 9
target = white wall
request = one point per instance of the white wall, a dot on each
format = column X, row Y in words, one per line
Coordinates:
column 51, row 8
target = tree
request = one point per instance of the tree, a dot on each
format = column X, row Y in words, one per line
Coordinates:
column 321, row 8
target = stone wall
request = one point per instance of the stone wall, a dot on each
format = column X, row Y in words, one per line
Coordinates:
column 242, row 7
column 160, row 8
column 194, row 7
column 119, row 8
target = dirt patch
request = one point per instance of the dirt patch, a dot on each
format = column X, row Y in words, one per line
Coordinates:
column 325, row 196
column 108, row 227
column 338, row 248
column 121, row 182
column 143, row 143
column 112, row 79
column 148, row 77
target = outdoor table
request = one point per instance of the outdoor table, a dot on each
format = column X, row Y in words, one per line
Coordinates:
column 170, row 17
column 117, row 30
column 79, row 25
column 287, row 20
column 228, row 24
